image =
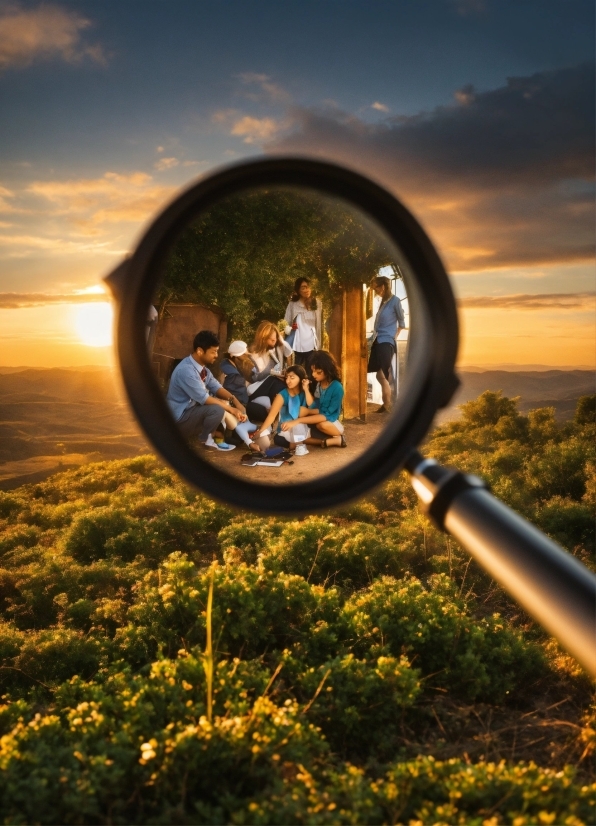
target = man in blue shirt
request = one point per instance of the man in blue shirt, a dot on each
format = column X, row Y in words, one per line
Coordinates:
column 198, row 402
column 388, row 322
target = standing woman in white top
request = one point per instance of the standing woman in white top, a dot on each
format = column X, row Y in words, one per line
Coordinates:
column 304, row 317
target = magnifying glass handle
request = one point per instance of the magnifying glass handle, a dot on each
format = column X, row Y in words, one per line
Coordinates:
column 550, row 584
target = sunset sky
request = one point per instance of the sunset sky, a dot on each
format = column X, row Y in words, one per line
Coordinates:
column 478, row 114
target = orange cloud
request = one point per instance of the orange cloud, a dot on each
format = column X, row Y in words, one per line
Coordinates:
column 255, row 129
column 544, row 301
column 14, row 301
column 21, row 246
column 4, row 204
column 27, row 35
column 166, row 163
column 113, row 198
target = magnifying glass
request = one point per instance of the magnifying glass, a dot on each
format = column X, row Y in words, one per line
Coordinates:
column 286, row 333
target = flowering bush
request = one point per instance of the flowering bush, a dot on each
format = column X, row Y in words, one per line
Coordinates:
column 363, row 670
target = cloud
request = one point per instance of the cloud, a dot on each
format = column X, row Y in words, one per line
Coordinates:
column 22, row 246
column 254, row 130
column 545, row 301
column 268, row 90
column 16, row 301
column 4, row 205
column 166, row 163
column 499, row 178
column 468, row 7
column 251, row 129
column 49, row 31
column 223, row 116
column 91, row 202
column 380, row 107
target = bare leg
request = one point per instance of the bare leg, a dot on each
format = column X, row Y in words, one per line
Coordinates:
column 334, row 437
column 315, row 418
column 385, row 390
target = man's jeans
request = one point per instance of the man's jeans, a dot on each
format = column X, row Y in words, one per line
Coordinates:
column 200, row 420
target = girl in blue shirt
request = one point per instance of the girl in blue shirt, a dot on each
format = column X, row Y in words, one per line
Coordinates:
column 290, row 404
column 325, row 409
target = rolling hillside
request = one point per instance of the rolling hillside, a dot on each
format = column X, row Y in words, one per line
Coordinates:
column 51, row 419
column 54, row 418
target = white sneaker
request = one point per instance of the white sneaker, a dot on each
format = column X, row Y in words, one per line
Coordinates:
column 221, row 446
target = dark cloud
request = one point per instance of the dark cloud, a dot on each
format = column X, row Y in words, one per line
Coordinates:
column 545, row 301
column 499, row 178
column 14, row 301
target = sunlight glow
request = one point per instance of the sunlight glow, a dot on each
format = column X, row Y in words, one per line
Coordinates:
column 93, row 323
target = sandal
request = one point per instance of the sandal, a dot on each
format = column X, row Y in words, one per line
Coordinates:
column 324, row 443
column 343, row 441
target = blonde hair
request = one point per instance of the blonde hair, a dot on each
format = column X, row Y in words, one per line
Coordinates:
column 264, row 331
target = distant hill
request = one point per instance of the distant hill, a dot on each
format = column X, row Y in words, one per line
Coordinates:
column 54, row 418
column 545, row 388
column 59, row 417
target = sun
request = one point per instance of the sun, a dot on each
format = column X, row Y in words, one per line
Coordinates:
column 93, row 324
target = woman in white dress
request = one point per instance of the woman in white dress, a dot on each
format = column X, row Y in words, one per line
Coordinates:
column 304, row 316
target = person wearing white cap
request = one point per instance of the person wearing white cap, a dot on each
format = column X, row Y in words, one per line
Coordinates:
column 238, row 368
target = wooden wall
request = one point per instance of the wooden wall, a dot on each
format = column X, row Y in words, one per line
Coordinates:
column 176, row 330
column 347, row 343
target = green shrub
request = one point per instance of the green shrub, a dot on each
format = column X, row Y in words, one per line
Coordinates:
column 253, row 611
column 102, row 533
column 334, row 640
column 570, row 523
column 476, row 659
column 350, row 557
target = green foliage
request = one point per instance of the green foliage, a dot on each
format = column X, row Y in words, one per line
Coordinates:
column 586, row 410
column 489, row 408
column 473, row 658
column 342, row 646
column 244, row 254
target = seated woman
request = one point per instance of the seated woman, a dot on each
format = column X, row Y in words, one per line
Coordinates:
column 238, row 368
column 325, row 409
column 288, row 404
column 270, row 354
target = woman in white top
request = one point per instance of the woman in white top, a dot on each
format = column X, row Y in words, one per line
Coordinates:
column 304, row 316
column 269, row 353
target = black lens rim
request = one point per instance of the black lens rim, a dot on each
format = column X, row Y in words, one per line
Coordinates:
column 390, row 451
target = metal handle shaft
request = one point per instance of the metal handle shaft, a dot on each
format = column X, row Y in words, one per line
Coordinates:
column 550, row 584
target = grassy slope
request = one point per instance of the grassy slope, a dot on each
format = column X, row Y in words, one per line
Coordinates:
column 365, row 670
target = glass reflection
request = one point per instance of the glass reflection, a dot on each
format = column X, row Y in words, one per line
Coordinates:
column 281, row 331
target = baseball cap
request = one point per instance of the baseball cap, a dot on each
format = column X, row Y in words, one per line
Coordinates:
column 237, row 348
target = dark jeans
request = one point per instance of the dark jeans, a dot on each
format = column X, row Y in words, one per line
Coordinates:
column 256, row 412
column 200, row 420
column 270, row 388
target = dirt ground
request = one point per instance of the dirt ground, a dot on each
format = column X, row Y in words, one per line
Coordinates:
column 318, row 462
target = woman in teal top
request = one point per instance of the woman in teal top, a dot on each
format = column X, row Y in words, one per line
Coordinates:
column 290, row 404
column 325, row 409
